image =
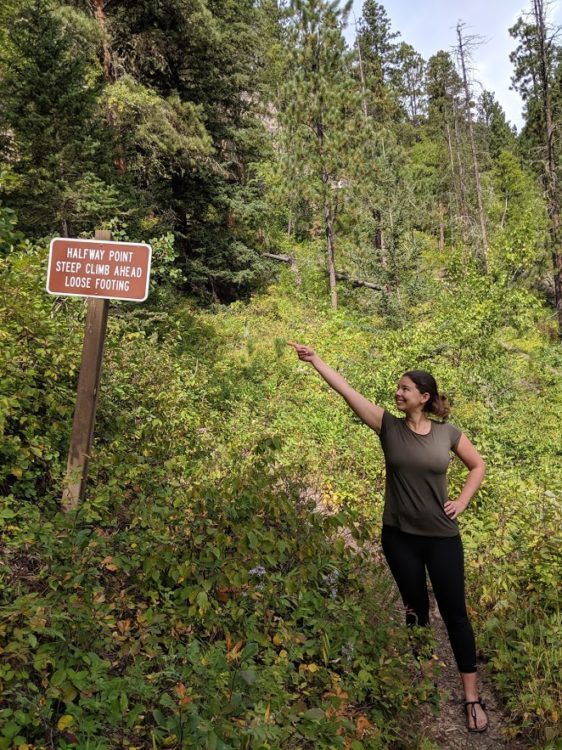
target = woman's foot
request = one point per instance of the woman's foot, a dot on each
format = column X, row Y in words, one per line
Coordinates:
column 476, row 720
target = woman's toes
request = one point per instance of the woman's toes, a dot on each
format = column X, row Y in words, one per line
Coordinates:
column 477, row 718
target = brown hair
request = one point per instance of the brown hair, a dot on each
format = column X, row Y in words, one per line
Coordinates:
column 438, row 403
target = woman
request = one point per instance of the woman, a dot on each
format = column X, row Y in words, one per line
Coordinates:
column 420, row 529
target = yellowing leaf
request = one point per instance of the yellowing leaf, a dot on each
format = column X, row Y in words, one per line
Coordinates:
column 17, row 472
column 64, row 722
column 108, row 564
column 235, row 652
column 277, row 639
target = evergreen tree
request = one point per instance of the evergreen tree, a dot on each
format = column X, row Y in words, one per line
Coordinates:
column 497, row 132
column 379, row 57
column 409, row 81
column 536, row 77
column 323, row 126
column 51, row 141
column 444, row 91
column 190, row 69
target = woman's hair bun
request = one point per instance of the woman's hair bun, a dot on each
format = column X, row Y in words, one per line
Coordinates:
column 438, row 403
column 440, row 406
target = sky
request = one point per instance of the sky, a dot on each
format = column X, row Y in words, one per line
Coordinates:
column 429, row 25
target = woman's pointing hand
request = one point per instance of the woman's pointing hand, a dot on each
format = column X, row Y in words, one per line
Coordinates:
column 305, row 353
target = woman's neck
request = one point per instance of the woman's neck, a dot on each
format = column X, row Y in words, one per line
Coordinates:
column 416, row 419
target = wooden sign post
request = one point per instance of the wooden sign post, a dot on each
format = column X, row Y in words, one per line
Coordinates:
column 104, row 270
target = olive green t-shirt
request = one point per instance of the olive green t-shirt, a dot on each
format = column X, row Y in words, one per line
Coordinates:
column 416, row 477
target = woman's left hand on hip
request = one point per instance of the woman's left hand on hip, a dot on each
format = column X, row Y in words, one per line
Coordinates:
column 454, row 508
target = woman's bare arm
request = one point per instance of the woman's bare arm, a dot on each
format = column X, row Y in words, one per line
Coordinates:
column 476, row 470
column 369, row 413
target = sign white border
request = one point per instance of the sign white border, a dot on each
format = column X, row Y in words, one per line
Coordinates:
column 99, row 242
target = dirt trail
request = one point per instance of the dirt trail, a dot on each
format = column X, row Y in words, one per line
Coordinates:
column 447, row 730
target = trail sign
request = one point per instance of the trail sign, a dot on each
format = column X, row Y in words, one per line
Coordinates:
column 99, row 268
column 107, row 270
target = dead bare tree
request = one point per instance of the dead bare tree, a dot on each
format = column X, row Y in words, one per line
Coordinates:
column 463, row 50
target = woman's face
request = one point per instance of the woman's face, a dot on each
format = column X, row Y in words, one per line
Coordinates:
column 407, row 396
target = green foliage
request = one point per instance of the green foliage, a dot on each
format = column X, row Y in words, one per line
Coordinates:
column 36, row 407
column 521, row 218
column 197, row 593
column 499, row 135
column 164, row 131
column 319, row 110
column 200, row 599
column 382, row 58
column 191, row 136
column 49, row 90
column 159, row 137
column 9, row 236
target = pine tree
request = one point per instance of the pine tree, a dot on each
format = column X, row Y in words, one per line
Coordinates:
column 444, row 91
column 536, row 63
column 321, row 117
column 379, row 56
column 49, row 90
column 190, row 70
column 409, row 81
column 497, row 132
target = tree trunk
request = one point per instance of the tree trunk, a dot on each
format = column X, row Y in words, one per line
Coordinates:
column 456, row 191
column 329, row 225
column 551, row 164
column 98, row 7
column 468, row 113
column 441, row 244
column 462, row 179
column 359, row 282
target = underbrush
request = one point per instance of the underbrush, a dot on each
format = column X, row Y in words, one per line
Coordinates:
column 197, row 599
column 226, row 616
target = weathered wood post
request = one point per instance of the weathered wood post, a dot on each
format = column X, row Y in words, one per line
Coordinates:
column 86, row 399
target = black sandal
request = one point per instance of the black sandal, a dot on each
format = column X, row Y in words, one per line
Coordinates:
column 475, row 728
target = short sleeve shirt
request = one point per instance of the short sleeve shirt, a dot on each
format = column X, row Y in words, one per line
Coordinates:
column 416, row 476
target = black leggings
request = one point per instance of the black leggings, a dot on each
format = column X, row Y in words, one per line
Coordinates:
column 407, row 556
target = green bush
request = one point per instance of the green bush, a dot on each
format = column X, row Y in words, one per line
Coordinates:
column 196, row 599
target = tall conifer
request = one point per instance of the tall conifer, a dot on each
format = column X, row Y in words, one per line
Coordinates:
column 536, row 66
column 49, row 90
column 321, row 117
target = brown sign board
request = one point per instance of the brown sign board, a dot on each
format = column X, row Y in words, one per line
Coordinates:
column 96, row 268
